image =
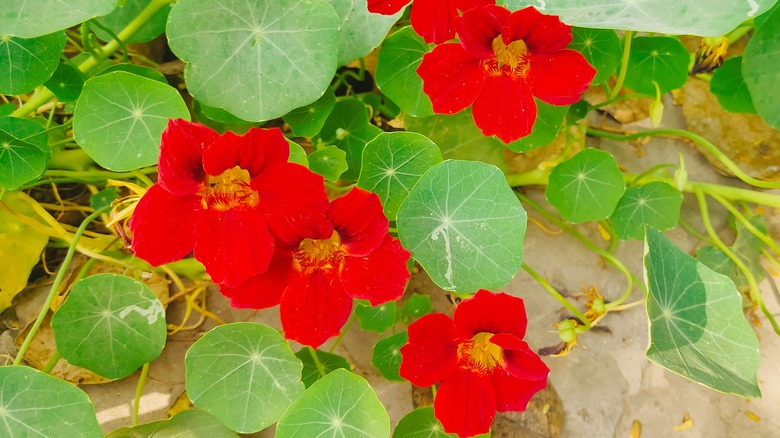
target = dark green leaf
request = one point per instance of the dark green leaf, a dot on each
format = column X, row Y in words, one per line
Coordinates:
column 329, row 362
column 387, row 355
column 396, row 72
column 601, row 47
column 420, row 423
column 66, row 83
column 308, row 120
column 417, row 305
column 656, row 204
column 185, row 424
column 330, row 162
column 127, row 12
column 760, row 72
column 139, row 70
column 729, row 87
column 378, row 318
column 20, row 160
column 27, row 63
column 549, row 120
column 103, row 198
column 663, row 60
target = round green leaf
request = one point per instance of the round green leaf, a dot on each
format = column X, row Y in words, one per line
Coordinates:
column 33, row 18
column 28, row 130
column 307, row 121
column 663, row 60
column 120, row 117
column 297, row 154
column 244, row 374
column 127, row 11
column 417, row 305
column 387, row 356
column 329, row 362
column 759, row 68
column 340, row 404
column 396, row 72
column 186, row 424
column 549, row 120
column 464, row 225
column 34, row 404
column 694, row 17
column 20, row 160
column 257, row 60
column 360, row 31
column 111, row 325
column 601, row 47
column 139, row 70
column 330, row 162
column 420, row 423
column 656, row 204
column 392, row 164
column 66, row 83
column 586, row 187
column 697, row 328
column 27, row 63
column 729, row 87
column 348, row 128
column 378, row 318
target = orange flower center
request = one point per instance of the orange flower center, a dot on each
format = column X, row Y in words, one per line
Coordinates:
column 509, row 59
column 319, row 253
column 229, row 190
column 480, row 355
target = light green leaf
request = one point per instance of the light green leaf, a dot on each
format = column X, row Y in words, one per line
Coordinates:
column 656, row 204
column 27, row 63
column 308, row 120
column 348, row 128
column 120, row 117
column 66, row 83
column 360, row 31
column 601, row 47
column 386, row 356
column 297, row 154
column 459, row 139
column 35, row 404
column 729, row 87
column 329, row 362
column 549, row 120
column 186, row 424
column 416, row 306
column 420, row 423
column 694, row 17
column 697, row 328
column 464, row 225
column 392, row 164
column 396, row 72
column 257, row 60
column 127, row 11
column 244, row 374
column 759, row 69
column 663, row 60
column 111, row 325
column 340, row 404
column 33, row 18
column 330, row 162
column 586, row 187
column 376, row 319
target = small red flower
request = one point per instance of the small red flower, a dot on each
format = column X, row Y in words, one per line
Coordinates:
column 434, row 20
column 222, row 196
column 325, row 262
column 502, row 62
column 480, row 359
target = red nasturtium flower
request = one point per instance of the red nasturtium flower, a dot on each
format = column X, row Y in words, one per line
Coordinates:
column 325, row 262
column 432, row 19
column 480, row 359
column 502, row 62
column 223, row 196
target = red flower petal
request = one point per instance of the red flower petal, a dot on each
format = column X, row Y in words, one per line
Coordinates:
column 380, row 276
column 163, row 226
column 252, row 151
column 290, row 231
column 180, row 166
column 524, row 363
column 560, row 78
column 264, row 290
column 506, row 108
column 431, row 354
column 360, row 221
column 513, row 393
column 386, row 7
column 233, row 245
column 452, row 78
column 541, row 33
column 478, row 27
column 433, row 20
column 314, row 308
column 465, row 403
column 492, row 313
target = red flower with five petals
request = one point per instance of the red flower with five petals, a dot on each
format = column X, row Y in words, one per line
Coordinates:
column 502, row 62
column 325, row 262
column 434, row 20
column 480, row 359
column 223, row 196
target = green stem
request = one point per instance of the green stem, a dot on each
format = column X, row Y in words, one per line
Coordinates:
column 557, row 295
column 746, row 223
column 138, row 391
column 692, row 231
column 627, row 37
column 741, row 30
column 57, row 282
column 344, row 330
column 692, row 137
column 317, row 363
column 44, row 95
column 55, row 357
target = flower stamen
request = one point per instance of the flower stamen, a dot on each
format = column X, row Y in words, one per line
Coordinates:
column 319, row 253
column 480, row 355
column 228, row 190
